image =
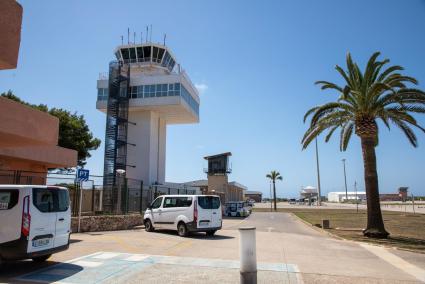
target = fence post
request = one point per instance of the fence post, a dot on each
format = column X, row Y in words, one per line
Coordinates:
column 92, row 198
column 141, row 196
column 126, row 195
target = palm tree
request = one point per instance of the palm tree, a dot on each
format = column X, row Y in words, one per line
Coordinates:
column 273, row 176
column 379, row 93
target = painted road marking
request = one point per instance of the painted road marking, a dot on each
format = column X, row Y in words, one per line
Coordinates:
column 137, row 257
column 87, row 263
column 106, row 255
column 396, row 261
column 117, row 267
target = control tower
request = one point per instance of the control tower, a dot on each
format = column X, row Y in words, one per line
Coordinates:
column 145, row 90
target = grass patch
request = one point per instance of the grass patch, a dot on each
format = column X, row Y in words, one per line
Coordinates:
column 407, row 230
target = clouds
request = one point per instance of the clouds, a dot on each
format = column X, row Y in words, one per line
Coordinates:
column 202, row 87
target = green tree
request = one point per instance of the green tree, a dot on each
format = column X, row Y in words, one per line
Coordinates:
column 274, row 176
column 378, row 93
column 74, row 132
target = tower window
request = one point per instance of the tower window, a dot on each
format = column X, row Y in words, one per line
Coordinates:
column 146, row 53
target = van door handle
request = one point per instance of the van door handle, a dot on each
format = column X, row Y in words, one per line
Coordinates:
column 61, row 219
column 214, row 212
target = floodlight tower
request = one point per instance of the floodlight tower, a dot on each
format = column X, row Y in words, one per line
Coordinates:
column 144, row 91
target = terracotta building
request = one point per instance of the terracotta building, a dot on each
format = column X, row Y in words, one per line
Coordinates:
column 28, row 142
column 10, row 33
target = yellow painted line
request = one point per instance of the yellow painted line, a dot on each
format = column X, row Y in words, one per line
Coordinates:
column 396, row 261
column 182, row 245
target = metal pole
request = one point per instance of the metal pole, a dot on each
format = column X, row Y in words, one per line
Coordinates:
column 319, row 199
column 413, row 203
column 79, row 209
column 141, row 196
column 345, row 180
column 119, row 195
column 357, row 201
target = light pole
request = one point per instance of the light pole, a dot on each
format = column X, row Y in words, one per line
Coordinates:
column 319, row 199
column 345, row 180
column 120, row 173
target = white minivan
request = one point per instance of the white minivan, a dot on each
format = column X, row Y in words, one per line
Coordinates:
column 35, row 221
column 184, row 213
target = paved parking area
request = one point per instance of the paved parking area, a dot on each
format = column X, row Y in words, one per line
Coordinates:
column 288, row 251
column 112, row 267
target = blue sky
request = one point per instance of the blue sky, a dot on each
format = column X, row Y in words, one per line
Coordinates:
column 257, row 62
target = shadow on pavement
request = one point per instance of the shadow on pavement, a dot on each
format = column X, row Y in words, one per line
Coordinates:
column 194, row 235
column 13, row 269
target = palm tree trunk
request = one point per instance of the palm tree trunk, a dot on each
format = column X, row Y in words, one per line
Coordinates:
column 375, row 225
column 274, row 195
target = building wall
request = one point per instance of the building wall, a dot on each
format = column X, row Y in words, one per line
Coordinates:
column 10, row 33
column 28, row 140
column 217, row 184
column 149, row 135
column 256, row 197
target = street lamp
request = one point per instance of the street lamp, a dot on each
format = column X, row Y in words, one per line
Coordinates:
column 345, row 180
column 120, row 173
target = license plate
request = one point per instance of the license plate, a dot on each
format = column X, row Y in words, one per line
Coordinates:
column 40, row 242
column 204, row 223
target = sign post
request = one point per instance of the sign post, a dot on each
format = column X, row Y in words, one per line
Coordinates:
column 82, row 175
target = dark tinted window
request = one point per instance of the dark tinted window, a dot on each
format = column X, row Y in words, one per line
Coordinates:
column 125, row 54
column 177, row 202
column 157, row 203
column 146, row 51
column 50, row 199
column 132, row 53
column 209, row 202
column 8, row 198
column 140, row 52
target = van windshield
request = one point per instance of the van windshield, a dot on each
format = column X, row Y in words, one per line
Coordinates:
column 50, row 199
column 209, row 202
column 8, row 198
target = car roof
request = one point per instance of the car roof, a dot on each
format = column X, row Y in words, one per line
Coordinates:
column 185, row 195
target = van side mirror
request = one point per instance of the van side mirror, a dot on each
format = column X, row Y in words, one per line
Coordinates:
column 150, row 207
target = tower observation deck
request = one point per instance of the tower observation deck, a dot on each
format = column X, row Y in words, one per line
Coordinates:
column 145, row 90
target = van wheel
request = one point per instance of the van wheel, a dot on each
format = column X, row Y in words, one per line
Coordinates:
column 210, row 233
column 148, row 226
column 41, row 258
column 182, row 229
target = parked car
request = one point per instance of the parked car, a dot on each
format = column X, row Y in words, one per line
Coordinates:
column 292, row 201
column 236, row 209
column 35, row 221
column 184, row 213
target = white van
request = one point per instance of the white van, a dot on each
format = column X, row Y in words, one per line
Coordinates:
column 184, row 213
column 35, row 221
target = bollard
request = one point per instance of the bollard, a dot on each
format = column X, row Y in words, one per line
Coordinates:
column 248, row 255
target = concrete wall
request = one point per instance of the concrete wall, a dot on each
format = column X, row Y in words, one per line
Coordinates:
column 28, row 139
column 149, row 135
column 10, row 33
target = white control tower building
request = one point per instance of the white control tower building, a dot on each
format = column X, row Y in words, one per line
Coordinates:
column 145, row 90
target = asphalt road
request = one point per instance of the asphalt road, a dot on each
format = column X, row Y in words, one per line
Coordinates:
column 274, row 222
column 308, row 255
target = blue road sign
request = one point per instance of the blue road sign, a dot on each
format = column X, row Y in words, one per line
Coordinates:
column 83, row 175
